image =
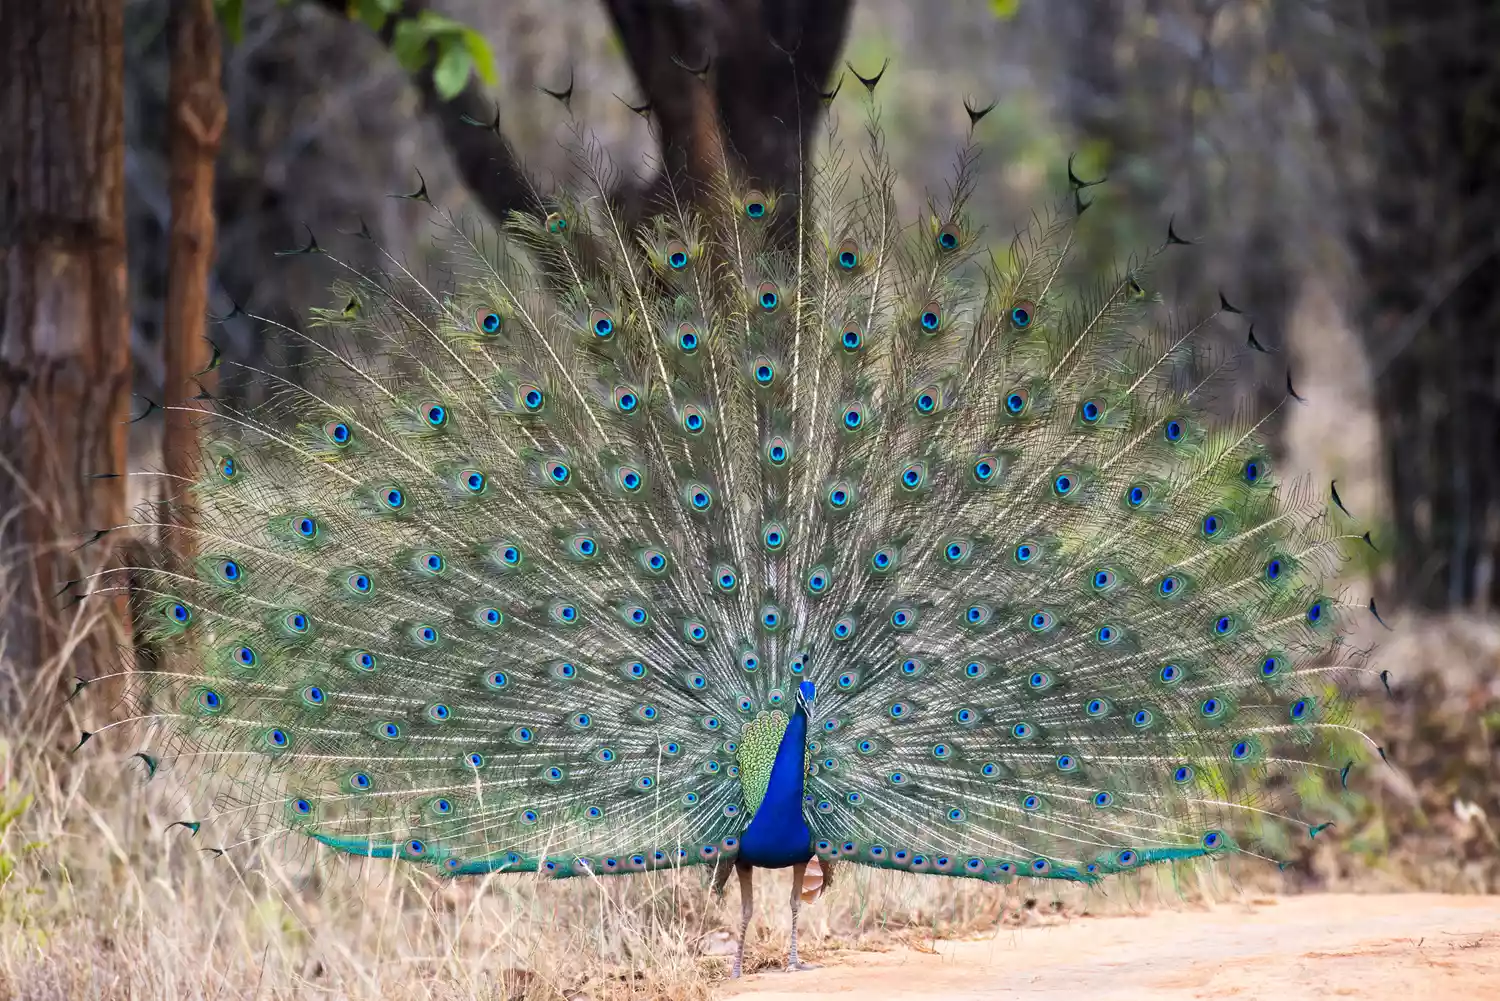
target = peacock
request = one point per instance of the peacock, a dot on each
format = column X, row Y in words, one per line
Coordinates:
column 770, row 528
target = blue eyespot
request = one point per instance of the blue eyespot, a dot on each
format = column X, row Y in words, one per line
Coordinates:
column 313, row 695
column 1137, row 496
column 913, row 475
column 898, row 710
column 296, row 622
column 853, row 417
column 851, row 338
column 1299, row 710
column 764, row 373
column 179, row 613
column 1021, row 314
column 1107, row 634
column 778, row 451
column 307, row 527
column 229, row 570
column 363, row 660
column 932, row 316
column 984, row 468
column 1168, row 586
column 1090, row 412
column 677, row 260
column 692, row 420
column 1015, row 403
column 394, row 499
column 1223, row 625
column 838, row 497
column 1170, row 673
column 435, row 413
column 817, row 581
column 687, row 337
column 770, row 618
column 699, row 497
column 1212, row 708
column 227, row 467
column 1064, row 484
column 558, row 472
column 1212, row 526
column 1097, row 708
column 245, row 656
column 956, row 550
column 489, row 320
column 1022, row 731
column 1142, row 718
column 1041, row 620
column 1103, row 799
column 1103, row 579
column 337, row 432
column 926, row 401
column 911, row 666
column 603, row 324
column 625, row 401
column 768, row 297
column 1174, row 431
column 1315, row 612
column 975, row 669
column 532, row 399
column 1240, row 751
column 496, row 680
column 433, row 563
column 1025, row 552
column 361, row 781
column 1183, row 774
column 1253, row 471
column 848, row 259
column 755, row 207
column 209, row 700
column 628, row 479
column 947, row 238
column 1273, row 570
column 474, row 481
column 1270, row 667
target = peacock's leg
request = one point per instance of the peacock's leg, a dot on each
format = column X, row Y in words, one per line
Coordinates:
column 793, row 964
column 747, row 908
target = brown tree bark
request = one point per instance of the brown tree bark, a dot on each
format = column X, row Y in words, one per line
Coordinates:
column 195, row 102
column 64, row 337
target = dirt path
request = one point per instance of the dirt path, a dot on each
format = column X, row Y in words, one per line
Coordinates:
column 1376, row 948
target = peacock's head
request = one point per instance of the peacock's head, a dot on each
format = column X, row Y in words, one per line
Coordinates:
column 805, row 695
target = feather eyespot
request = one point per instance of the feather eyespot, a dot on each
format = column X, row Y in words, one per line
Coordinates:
column 227, row 467
column 557, row 223
column 1016, row 402
column 487, row 320
column 688, row 337
column 532, row 398
column 338, row 433
column 768, row 296
column 756, row 204
column 677, row 255
column 778, row 451
column 692, row 419
column 602, row 324
column 948, row 237
column 434, row 414
column 852, row 338
column 847, row 256
column 1022, row 313
column 931, row 317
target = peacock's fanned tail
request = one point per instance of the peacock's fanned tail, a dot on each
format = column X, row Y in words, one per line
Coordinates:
column 522, row 572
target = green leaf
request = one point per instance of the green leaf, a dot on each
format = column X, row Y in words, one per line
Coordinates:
column 410, row 44
column 452, row 71
column 232, row 16
column 1004, row 9
column 371, row 13
column 481, row 54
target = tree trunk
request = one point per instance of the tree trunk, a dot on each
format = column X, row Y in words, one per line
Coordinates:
column 1432, row 262
column 195, row 102
column 64, row 337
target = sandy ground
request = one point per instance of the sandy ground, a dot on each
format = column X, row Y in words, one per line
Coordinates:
column 1376, row 948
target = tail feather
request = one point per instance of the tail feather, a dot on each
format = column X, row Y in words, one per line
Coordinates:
column 498, row 578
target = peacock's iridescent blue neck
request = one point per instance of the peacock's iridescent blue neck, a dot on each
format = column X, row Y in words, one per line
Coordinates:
column 778, row 834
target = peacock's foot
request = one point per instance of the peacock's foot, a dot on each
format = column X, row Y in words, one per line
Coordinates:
column 800, row 967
